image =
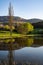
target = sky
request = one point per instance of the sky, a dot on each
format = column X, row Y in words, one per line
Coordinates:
column 23, row 8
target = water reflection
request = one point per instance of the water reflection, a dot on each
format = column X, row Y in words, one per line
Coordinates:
column 16, row 43
column 10, row 55
column 11, row 45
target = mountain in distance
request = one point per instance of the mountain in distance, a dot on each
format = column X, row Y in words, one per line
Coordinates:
column 37, row 23
column 35, row 20
column 16, row 18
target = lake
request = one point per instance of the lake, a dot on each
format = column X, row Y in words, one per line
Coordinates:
column 21, row 51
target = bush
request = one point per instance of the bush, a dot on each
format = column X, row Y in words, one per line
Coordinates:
column 24, row 28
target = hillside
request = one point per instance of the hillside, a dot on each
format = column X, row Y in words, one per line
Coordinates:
column 37, row 23
column 35, row 20
column 6, row 18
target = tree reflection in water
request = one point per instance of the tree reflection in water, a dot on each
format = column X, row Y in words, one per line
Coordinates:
column 10, row 56
column 14, row 44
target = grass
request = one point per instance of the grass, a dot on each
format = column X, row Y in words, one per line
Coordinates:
column 6, row 34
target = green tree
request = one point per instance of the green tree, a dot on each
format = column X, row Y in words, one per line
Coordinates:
column 24, row 28
column 7, row 27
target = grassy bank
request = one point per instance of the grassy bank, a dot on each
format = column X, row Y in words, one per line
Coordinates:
column 6, row 34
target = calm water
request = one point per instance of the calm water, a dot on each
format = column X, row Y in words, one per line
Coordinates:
column 21, row 51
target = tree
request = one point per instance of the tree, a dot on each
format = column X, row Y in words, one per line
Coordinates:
column 24, row 28
column 11, row 22
column 7, row 27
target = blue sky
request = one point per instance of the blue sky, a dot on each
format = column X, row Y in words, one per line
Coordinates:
column 23, row 8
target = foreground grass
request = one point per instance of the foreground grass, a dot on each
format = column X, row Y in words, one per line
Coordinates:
column 6, row 34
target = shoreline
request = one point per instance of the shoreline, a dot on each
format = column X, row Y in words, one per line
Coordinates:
column 5, row 36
